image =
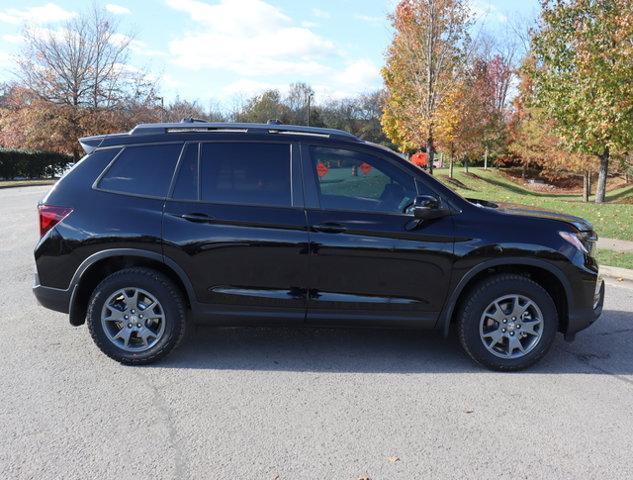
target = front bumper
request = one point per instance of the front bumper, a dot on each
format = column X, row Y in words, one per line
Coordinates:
column 581, row 318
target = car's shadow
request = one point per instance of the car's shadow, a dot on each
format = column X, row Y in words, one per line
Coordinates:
column 603, row 348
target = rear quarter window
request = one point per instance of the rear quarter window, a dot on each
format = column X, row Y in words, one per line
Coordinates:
column 142, row 170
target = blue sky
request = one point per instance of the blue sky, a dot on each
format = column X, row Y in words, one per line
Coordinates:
column 222, row 51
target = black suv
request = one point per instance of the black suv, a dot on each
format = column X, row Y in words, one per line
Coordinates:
column 255, row 224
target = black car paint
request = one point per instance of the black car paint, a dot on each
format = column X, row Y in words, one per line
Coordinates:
column 301, row 264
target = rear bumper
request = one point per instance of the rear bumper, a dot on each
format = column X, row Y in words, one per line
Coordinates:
column 52, row 298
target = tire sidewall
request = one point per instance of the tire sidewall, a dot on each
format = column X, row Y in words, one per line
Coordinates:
column 172, row 308
column 482, row 297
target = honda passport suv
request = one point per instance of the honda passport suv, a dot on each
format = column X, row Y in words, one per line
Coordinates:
column 267, row 224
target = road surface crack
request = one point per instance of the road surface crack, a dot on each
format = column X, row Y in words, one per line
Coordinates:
column 160, row 404
column 585, row 359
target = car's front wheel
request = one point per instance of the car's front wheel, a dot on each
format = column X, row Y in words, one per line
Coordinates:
column 136, row 316
column 507, row 322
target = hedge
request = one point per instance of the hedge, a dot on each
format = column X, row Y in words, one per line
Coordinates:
column 32, row 164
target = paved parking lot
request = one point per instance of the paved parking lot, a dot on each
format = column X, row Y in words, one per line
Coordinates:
column 299, row 404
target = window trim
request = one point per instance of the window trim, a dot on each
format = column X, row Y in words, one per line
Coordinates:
column 95, row 184
column 174, row 178
column 295, row 165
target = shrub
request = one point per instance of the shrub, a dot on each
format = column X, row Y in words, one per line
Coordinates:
column 32, row 164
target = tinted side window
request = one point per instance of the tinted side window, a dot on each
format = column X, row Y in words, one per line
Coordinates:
column 247, row 173
column 143, row 170
column 186, row 187
column 350, row 180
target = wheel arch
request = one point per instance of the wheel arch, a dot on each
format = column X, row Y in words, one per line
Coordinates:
column 544, row 273
column 97, row 266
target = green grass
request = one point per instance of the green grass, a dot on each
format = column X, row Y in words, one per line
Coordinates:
column 615, row 259
column 611, row 220
column 25, row 183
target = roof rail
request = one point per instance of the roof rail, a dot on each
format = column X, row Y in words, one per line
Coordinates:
column 189, row 125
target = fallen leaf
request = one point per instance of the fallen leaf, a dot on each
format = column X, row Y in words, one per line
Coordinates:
column 364, row 478
column 469, row 411
column 393, row 459
column 620, row 279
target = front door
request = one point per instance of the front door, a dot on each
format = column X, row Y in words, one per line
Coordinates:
column 235, row 222
column 367, row 263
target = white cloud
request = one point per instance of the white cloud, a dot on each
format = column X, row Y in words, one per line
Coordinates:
column 483, row 10
column 17, row 39
column 247, row 37
column 117, row 9
column 45, row 33
column 120, row 39
column 5, row 59
column 369, row 19
column 43, row 14
column 247, row 88
column 363, row 74
column 317, row 12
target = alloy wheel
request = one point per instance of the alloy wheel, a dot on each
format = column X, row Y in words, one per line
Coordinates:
column 133, row 319
column 511, row 326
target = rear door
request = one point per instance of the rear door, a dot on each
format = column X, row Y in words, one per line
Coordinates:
column 367, row 263
column 235, row 222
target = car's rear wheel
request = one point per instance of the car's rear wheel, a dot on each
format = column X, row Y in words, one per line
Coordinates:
column 507, row 322
column 136, row 316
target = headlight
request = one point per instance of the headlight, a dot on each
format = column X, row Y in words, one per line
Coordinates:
column 573, row 239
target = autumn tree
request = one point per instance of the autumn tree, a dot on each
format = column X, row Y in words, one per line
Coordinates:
column 533, row 138
column 80, row 74
column 469, row 116
column 423, row 64
column 359, row 115
column 181, row 108
column 449, row 122
column 266, row 106
column 583, row 76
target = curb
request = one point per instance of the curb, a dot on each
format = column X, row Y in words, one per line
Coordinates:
column 41, row 184
column 623, row 276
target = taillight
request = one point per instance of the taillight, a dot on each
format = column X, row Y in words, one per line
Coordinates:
column 50, row 216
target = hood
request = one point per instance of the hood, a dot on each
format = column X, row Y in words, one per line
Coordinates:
column 525, row 211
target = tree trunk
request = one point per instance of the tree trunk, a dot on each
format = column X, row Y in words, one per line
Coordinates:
column 585, row 187
column 523, row 171
column 431, row 153
column 601, row 189
column 486, row 159
column 466, row 164
column 589, row 182
column 450, row 167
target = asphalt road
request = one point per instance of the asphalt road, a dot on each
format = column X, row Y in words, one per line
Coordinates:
column 299, row 404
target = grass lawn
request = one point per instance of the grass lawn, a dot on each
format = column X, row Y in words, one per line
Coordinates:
column 615, row 259
column 611, row 220
column 25, row 183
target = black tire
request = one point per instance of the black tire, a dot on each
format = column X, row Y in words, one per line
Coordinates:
column 482, row 295
column 165, row 292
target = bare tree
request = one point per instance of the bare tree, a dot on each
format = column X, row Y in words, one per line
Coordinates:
column 81, row 70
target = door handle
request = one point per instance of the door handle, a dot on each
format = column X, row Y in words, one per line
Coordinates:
column 329, row 227
column 197, row 217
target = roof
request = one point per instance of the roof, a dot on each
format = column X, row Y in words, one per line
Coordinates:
column 197, row 126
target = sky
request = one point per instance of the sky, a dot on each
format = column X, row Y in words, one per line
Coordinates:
column 220, row 52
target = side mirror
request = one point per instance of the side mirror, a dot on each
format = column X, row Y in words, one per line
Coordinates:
column 427, row 207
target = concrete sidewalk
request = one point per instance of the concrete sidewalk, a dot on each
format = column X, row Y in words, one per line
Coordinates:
column 615, row 245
